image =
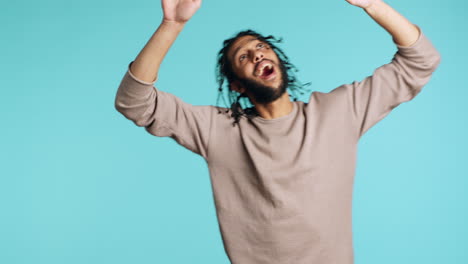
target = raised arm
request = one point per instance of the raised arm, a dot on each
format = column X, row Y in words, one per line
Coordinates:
column 161, row 113
column 176, row 13
column 404, row 33
column 368, row 101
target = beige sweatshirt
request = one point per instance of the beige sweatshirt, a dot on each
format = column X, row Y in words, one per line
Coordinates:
column 283, row 187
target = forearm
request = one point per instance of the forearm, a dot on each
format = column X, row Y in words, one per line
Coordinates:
column 146, row 65
column 404, row 32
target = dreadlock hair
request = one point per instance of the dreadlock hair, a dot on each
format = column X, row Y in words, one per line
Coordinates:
column 240, row 104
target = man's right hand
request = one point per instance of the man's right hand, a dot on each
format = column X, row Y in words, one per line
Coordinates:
column 176, row 13
column 179, row 11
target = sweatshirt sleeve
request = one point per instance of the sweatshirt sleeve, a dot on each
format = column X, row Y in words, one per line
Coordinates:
column 163, row 114
column 373, row 98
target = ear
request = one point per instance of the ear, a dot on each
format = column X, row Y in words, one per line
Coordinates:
column 236, row 86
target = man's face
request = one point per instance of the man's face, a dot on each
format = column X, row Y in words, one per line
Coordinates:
column 259, row 72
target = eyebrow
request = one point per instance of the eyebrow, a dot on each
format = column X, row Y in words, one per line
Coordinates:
column 238, row 48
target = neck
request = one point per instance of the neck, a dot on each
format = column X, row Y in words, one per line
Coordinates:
column 278, row 108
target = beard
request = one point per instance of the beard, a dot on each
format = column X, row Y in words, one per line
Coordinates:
column 263, row 93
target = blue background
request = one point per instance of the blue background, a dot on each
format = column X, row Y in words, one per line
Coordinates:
column 79, row 183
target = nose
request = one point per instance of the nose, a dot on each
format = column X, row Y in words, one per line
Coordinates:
column 257, row 56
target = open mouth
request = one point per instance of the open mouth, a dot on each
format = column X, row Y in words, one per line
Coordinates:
column 265, row 70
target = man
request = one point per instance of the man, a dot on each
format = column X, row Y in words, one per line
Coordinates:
column 282, row 176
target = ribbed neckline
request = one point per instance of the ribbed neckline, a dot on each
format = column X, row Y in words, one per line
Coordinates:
column 288, row 116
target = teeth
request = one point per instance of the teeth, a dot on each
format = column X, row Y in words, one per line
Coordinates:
column 266, row 66
column 263, row 68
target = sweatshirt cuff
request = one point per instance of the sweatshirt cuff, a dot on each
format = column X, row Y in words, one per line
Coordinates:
column 423, row 47
column 138, row 80
column 416, row 43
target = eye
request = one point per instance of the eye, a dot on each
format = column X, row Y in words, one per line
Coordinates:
column 261, row 45
column 242, row 57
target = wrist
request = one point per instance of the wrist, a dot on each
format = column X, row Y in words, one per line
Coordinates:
column 173, row 24
column 373, row 6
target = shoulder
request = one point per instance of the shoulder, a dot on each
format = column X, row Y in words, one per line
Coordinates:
column 337, row 98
